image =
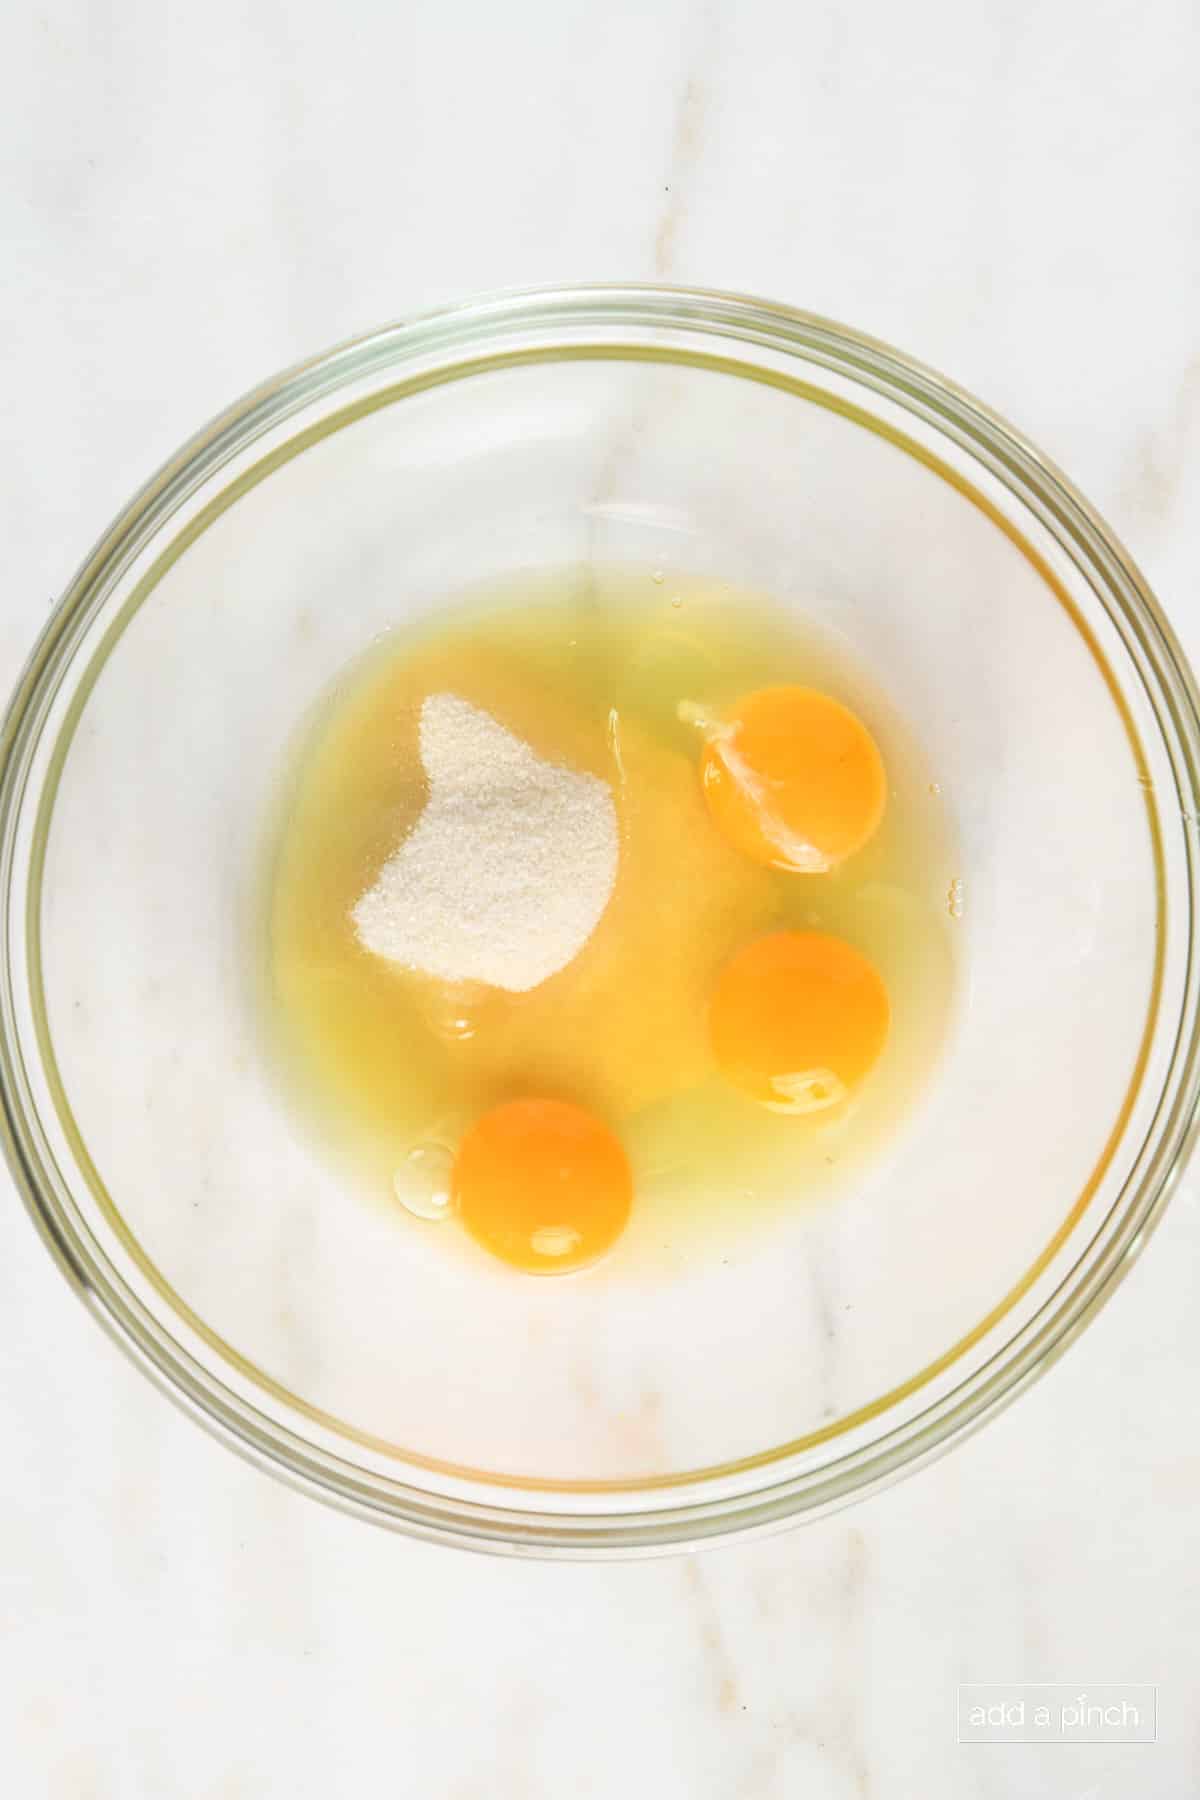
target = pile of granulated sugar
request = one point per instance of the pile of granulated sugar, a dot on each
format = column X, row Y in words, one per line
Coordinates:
column 504, row 876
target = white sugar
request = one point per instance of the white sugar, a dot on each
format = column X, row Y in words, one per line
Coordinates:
column 504, row 876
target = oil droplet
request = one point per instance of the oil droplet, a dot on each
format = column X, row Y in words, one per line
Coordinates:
column 455, row 1015
column 954, row 899
column 422, row 1183
column 458, row 1027
column 658, row 577
column 935, row 787
column 677, row 600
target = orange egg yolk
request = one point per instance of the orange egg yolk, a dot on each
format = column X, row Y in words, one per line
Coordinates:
column 542, row 1184
column 797, row 1019
column 793, row 779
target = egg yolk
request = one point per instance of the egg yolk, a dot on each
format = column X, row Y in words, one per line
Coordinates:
column 542, row 1184
column 793, row 779
column 797, row 1019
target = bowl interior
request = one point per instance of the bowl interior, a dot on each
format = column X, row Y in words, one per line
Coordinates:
column 805, row 1341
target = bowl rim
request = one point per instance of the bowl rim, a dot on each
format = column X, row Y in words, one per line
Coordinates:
column 989, row 440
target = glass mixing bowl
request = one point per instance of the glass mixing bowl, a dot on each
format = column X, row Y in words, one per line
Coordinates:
column 812, row 1361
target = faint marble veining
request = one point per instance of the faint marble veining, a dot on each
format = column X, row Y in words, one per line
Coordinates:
column 1154, row 469
column 802, row 1698
column 849, row 1663
column 688, row 140
column 719, row 1663
column 632, row 1433
column 821, row 1287
column 689, row 135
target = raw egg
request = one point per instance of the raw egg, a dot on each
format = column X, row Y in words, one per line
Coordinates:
column 681, row 990
column 542, row 1184
column 797, row 1020
column 793, row 778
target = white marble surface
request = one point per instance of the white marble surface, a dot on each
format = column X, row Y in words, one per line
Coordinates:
column 196, row 196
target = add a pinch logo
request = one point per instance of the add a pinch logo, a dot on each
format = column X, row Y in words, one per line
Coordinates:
column 1055, row 1712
